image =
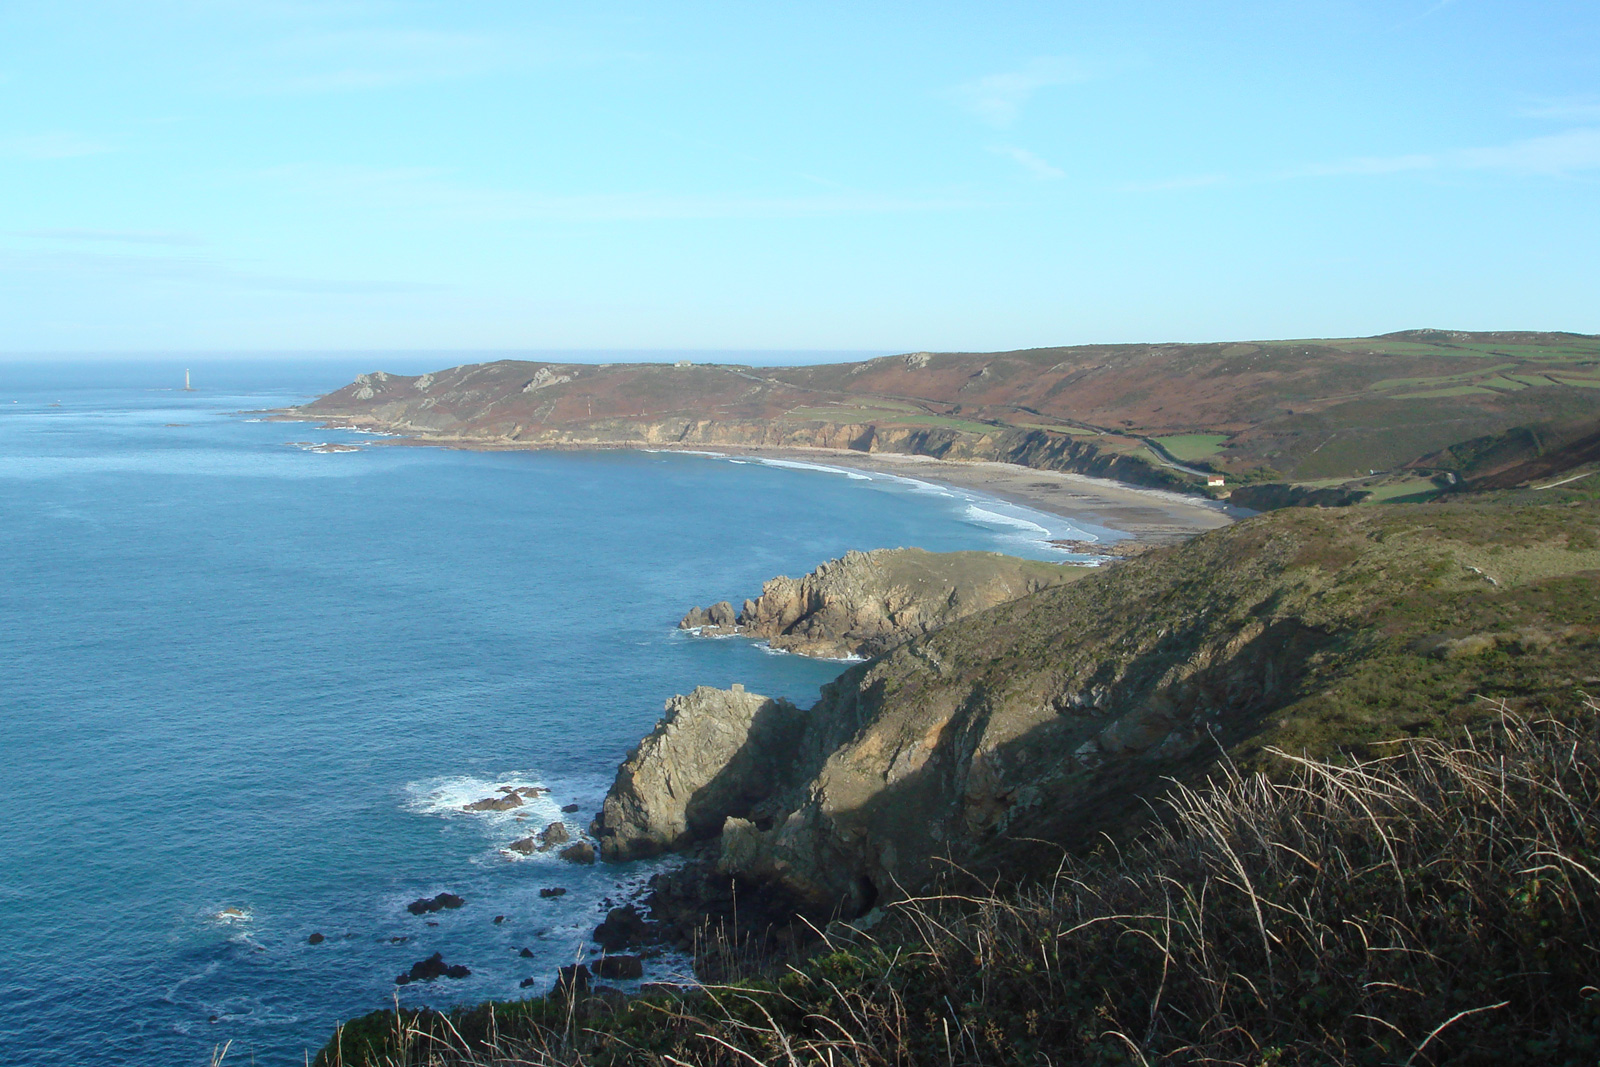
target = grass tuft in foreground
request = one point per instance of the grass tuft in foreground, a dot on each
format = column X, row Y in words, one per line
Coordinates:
column 1439, row 904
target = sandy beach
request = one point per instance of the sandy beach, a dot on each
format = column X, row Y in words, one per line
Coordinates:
column 1149, row 516
column 1152, row 516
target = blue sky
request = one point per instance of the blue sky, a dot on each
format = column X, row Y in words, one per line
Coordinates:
column 279, row 175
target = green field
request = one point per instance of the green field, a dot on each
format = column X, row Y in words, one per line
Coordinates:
column 1192, row 447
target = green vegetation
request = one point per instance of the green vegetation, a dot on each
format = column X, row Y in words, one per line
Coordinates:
column 1435, row 904
column 1057, row 428
column 1193, row 447
column 1454, row 390
column 1403, row 491
column 1397, row 861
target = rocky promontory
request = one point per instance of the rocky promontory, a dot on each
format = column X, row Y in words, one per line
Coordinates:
column 865, row 603
column 1059, row 715
column 713, row 755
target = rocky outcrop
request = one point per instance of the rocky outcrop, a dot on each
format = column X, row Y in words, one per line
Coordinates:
column 1057, row 716
column 442, row 902
column 714, row 754
column 865, row 603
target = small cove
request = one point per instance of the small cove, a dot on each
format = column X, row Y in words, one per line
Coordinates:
column 236, row 672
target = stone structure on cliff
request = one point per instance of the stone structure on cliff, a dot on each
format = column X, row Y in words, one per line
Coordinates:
column 865, row 603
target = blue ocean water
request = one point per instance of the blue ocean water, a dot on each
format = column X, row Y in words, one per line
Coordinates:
column 239, row 674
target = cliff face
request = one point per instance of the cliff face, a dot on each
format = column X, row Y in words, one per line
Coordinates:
column 865, row 603
column 710, row 757
column 1052, row 716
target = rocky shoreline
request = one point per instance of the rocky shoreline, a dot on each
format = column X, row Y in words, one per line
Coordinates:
column 865, row 603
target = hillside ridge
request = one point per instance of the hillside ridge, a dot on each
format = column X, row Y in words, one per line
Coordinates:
column 1162, row 415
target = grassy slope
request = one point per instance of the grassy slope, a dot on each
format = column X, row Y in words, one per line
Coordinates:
column 1340, row 918
column 1298, row 409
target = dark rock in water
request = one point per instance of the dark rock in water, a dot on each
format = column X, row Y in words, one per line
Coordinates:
column 573, row 978
column 570, row 808
column 553, row 891
column 399, row 940
column 498, row 919
column 429, row 969
column 505, row 803
column 618, row 967
column 432, row 923
column 624, row 927
column 552, row 835
column 718, row 617
column 424, row 905
column 532, row 791
column 315, row 939
column 525, row 845
column 526, row 953
column 525, row 983
column 506, row 789
column 582, row 852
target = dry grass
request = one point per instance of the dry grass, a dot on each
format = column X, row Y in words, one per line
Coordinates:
column 1436, row 905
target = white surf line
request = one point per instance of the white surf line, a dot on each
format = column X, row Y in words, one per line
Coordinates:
column 984, row 508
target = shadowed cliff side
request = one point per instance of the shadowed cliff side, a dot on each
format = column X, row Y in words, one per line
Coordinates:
column 710, row 757
column 1058, row 715
column 865, row 603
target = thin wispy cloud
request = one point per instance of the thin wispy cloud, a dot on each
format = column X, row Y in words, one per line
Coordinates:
column 998, row 99
column 1192, row 181
column 1568, row 154
column 377, row 58
column 47, row 146
column 434, row 191
column 133, row 237
column 197, row 271
column 1029, row 162
column 1565, row 109
column 1554, row 155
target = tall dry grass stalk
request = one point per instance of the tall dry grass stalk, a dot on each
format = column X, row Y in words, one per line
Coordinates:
column 1437, row 905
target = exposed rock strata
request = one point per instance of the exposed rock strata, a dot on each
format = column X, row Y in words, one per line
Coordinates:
column 714, row 754
column 865, row 603
column 1054, row 716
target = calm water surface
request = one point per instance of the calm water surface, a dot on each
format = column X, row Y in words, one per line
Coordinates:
column 237, row 674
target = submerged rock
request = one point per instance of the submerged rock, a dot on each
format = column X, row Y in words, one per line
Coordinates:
column 427, row 905
column 550, row 892
column 429, row 969
column 500, row 803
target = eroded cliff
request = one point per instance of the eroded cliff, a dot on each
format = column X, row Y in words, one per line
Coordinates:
column 1055, row 716
column 865, row 603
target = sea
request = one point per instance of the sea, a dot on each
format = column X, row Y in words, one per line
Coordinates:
column 249, row 681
